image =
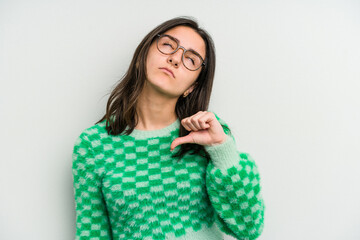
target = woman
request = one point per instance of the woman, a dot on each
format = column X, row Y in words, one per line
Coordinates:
column 158, row 165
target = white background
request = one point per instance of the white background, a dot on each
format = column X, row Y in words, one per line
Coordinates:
column 287, row 83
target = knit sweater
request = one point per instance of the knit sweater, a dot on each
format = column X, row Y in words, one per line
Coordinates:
column 132, row 187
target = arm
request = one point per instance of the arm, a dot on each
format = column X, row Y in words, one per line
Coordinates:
column 233, row 184
column 232, row 179
column 91, row 215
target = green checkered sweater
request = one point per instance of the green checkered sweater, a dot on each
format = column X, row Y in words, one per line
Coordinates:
column 131, row 187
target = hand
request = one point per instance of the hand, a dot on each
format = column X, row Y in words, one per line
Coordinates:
column 204, row 129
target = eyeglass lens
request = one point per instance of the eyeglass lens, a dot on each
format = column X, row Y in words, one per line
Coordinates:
column 190, row 59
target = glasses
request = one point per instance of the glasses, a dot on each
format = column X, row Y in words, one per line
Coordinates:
column 168, row 45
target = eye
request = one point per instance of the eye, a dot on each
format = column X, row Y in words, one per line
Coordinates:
column 168, row 45
column 192, row 60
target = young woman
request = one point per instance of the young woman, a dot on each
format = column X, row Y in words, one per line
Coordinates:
column 158, row 165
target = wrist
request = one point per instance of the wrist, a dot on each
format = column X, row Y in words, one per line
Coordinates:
column 219, row 141
column 224, row 155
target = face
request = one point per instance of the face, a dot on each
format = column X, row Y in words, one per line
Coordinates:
column 166, row 73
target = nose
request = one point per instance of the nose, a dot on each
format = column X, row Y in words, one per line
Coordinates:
column 175, row 58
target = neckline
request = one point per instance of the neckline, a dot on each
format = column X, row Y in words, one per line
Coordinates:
column 155, row 133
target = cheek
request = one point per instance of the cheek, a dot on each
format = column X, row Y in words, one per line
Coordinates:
column 150, row 65
column 193, row 77
column 189, row 80
column 151, row 57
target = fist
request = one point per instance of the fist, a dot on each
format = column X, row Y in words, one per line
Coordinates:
column 204, row 129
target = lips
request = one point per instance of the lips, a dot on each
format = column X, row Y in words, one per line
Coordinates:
column 168, row 71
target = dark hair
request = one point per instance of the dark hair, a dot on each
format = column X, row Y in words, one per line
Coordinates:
column 121, row 106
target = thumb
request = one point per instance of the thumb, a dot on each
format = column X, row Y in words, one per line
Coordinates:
column 181, row 140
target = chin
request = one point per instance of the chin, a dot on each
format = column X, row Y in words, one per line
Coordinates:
column 160, row 80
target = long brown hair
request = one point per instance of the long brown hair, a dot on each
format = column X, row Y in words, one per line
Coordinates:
column 121, row 106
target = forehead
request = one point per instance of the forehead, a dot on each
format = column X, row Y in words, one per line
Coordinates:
column 188, row 38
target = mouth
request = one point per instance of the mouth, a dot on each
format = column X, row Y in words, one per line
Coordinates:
column 168, row 71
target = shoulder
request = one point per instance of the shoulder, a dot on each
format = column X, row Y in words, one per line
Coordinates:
column 92, row 136
column 98, row 138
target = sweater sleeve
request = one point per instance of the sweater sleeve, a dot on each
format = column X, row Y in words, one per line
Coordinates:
column 91, row 215
column 233, row 185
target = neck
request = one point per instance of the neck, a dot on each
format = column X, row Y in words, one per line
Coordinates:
column 155, row 111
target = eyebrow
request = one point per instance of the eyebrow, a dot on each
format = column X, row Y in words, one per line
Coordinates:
column 188, row 48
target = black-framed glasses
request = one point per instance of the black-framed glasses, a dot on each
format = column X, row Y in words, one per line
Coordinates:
column 168, row 45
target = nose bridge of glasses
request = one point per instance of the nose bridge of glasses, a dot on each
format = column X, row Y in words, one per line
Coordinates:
column 179, row 53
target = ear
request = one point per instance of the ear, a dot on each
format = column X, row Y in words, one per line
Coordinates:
column 191, row 88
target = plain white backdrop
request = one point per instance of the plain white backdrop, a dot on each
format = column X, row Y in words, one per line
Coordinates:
column 287, row 83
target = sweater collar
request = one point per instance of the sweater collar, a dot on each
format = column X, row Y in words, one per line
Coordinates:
column 166, row 131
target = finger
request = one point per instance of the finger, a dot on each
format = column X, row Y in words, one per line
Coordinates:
column 195, row 120
column 198, row 121
column 192, row 121
column 185, row 124
column 181, row 140
column 203, row 124
column 207, row 119
column 188, row 124
column 203, row 121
